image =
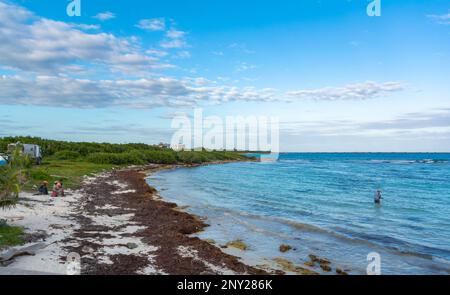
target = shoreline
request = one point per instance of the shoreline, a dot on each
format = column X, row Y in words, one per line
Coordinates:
column 118, row 224
column 278, row 265
column 183, row 225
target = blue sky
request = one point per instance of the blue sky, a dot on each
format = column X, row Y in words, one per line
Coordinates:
column 338, row 79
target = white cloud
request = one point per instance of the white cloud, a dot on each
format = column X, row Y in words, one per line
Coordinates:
column 47, row 57
column 35, row 44
column 142, row 93
column 174, row 43
column 85, row 26
column 183, row 54
column 243, row 67
column 443, row 19
column 360, row 91
column 175, row 39
column 154, row 24
column 175, row 34
column 104, row 16
column 158, row 53
column 435, row 121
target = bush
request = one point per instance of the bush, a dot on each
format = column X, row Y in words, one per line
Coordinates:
column 120, row 154
column 194, row 157
column 116, row 159
column 136, row 157
column 11, row 236
column 159, row 157
column 51, row 147
column 40, row 175
column 12, row 177
column 67, row 155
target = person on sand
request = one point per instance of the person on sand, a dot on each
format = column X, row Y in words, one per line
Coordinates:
column 58, row 190
column 378, row 197
column 43, row 189
column 55, row 189
column 61, row 189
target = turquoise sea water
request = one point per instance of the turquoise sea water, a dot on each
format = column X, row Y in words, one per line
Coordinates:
column 323, row 204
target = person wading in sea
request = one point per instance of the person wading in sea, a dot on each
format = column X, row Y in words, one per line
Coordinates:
column 378, row 197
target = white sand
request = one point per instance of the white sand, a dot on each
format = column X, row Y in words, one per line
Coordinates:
column 53, row 216
column 184, row 251
column 43, row 214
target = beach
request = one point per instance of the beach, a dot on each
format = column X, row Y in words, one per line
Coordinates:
column 118, row 224
column 204, row 219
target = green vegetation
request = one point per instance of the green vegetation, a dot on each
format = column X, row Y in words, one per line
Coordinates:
column 12, row 177
column 70, row 161
column 67, row 155
column 10, row 235
column 70, row 172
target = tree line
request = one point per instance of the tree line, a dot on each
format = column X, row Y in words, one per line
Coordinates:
column 120, row 154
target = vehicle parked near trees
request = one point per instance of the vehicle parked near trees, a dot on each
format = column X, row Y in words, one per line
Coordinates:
column 34, row 151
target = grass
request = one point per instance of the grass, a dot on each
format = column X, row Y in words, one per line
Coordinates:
column 71, row 172
column 11, row 236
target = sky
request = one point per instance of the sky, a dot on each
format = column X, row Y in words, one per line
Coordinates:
column 337, row 79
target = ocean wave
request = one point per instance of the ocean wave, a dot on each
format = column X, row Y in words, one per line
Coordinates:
column 391, row 244
column 397, row 246
column 295, row 161
column 421, row 161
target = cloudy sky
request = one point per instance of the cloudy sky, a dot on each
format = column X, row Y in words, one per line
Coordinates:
column 337, row 79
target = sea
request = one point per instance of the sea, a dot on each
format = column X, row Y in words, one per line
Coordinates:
column 323, row 204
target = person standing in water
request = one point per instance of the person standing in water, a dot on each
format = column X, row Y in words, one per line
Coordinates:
column 378, row 197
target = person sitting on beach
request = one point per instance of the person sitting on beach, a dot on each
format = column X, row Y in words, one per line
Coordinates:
column 63, row 194
column 378, row 197
column 43, row 189
column 58, row 190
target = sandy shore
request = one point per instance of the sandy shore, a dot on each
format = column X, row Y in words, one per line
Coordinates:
column 117, row 224
column 48, row 222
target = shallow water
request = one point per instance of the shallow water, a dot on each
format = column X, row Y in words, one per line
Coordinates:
column 323, row 204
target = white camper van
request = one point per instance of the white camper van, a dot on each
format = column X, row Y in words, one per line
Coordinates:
column 32, row 150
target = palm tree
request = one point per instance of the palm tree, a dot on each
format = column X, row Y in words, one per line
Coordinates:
column 12, row 177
